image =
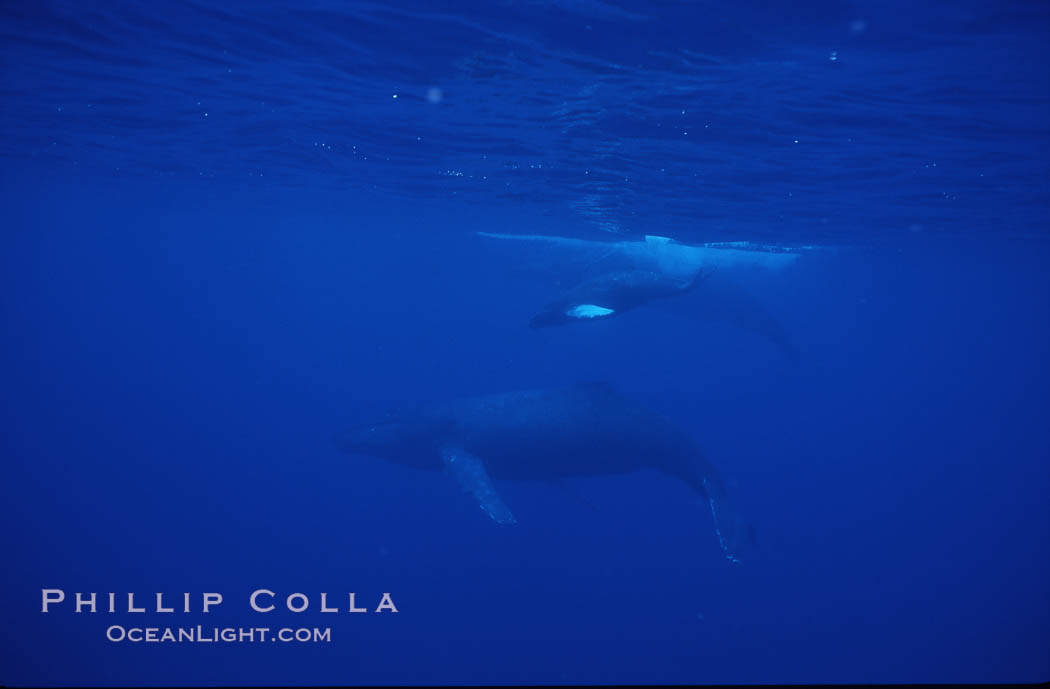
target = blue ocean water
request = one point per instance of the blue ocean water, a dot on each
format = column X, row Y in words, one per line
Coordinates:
column 232, row 230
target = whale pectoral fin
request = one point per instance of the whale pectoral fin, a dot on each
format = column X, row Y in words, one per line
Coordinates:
column 588, row 311
column 469, row 472
column 736, row 538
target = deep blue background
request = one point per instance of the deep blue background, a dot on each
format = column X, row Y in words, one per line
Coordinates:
column 224, row 239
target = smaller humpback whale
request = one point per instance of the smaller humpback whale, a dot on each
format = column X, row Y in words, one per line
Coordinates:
column 668, row 256
column 583, row 430
column 611, row 295
column 639, row 272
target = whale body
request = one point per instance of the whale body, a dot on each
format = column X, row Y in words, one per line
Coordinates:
column 583, row 430
column 612, row 294
column 668, row 256
column 641, row 272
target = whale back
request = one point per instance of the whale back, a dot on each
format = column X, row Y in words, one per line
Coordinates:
column 585, row 429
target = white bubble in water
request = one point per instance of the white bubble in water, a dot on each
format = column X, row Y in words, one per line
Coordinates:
column 434, row 94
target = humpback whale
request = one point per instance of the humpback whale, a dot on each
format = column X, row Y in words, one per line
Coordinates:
column 583, row 430
column 612, row 294
column 668, row 256
column 639, row 272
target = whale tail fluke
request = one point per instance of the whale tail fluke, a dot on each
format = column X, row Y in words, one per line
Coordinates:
column 729, row 301
column 700, row 276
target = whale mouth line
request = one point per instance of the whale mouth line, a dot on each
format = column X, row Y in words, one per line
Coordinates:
column 588, row 311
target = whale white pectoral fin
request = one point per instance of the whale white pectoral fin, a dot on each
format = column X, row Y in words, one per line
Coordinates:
column 469, row 472
column 588, row 311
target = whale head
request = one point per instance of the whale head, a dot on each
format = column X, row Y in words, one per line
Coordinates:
column 403, row 439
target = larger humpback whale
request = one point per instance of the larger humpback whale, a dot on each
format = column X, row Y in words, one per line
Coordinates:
column 582, row 430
